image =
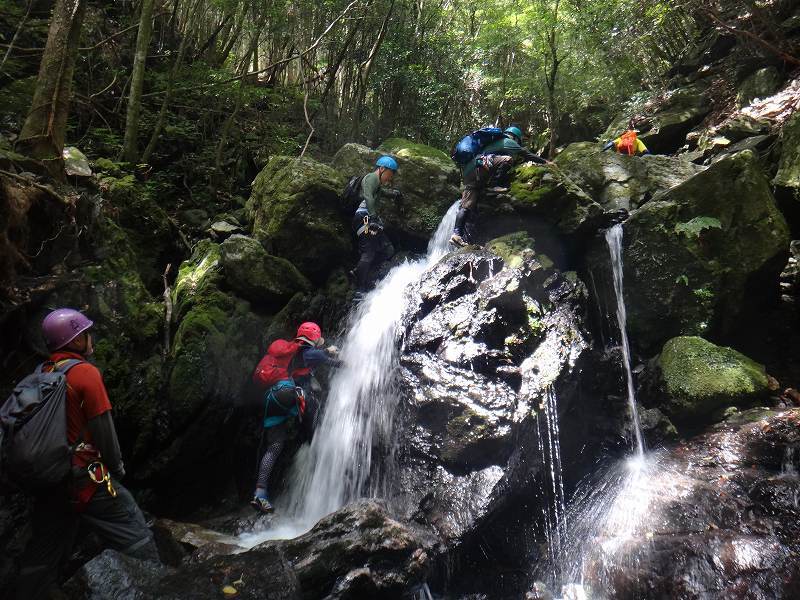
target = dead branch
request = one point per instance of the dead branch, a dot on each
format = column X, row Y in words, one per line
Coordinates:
column 752, row 36
column 45, row 188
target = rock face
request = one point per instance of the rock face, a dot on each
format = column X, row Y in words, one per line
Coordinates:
column 296, row 213
column 760, row 84
column 716, row 517
column 483, row 348
column 691, row 254
column 357, row 552
column 694, row 378
column 664, row 129
column 789, row 166
column 618, row 181
column 258, row 276
column 427, row 177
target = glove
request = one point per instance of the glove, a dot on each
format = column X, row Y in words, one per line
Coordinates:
column 397, row 195
column 301, row 402
column 608, row 146
column 332, row 350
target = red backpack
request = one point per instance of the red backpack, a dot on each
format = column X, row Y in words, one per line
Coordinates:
column 276, row 363
column 627, row 143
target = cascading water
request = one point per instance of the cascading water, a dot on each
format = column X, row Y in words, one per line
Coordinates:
column 555, row 511
column 614, row 241
column 338, row 466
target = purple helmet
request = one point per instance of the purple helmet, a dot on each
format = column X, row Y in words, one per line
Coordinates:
column 62, row 326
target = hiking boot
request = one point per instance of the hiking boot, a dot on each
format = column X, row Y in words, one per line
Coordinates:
column 262, row 505
column 457, row 240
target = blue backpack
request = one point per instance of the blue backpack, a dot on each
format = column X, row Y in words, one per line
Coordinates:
column 471, row 145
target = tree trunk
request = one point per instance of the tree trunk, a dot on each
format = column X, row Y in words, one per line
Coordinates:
column 130, row 145
column 42, row 135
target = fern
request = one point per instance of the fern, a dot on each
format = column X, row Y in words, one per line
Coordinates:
column 696, row 226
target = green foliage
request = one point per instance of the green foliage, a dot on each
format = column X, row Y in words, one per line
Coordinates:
column 695, row 227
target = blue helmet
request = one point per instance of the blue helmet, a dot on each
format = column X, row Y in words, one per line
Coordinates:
column 515, row 131
column 387, row 162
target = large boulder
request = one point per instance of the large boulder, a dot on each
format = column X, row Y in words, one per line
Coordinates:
column 296, row 214
column 693, row 378
column 356, row 552
column 693, row 255
column 258, row 276
column 619, row 181
column 216, row 343
column 484, row 349
column 709, row 518
column 668, row 119
column 544, row 193
column 427, row 177
column 760, row 84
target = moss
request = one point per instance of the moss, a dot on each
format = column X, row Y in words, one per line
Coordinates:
column 464, row 429
column 700, row 377
column 407, row 149
column 511, row 246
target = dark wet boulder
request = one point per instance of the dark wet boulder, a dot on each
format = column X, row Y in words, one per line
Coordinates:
column 296, row 213
column 483, row 346
column 706, row 520
column 427, row 178
column 257, row 276
column 692, row 378
column 618, row 181
column 698, row 256
column 356, row 552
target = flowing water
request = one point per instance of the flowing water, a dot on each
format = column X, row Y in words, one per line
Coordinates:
column 554, row 511
column 607, row 511
column 339, row 466
column 614, row 240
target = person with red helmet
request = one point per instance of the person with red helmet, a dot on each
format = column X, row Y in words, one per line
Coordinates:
column 93, row 494
column 285, row 374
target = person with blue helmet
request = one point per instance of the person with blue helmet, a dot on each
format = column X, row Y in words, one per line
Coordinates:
column 493, row 164
column 374, row 246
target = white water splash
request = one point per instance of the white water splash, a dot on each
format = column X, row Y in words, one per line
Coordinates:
column 554, row 512
column 614, row 240
column 339, row 466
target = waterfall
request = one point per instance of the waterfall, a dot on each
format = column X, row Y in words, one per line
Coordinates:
column 554, row 512
column 339, row 465
column 614, row 240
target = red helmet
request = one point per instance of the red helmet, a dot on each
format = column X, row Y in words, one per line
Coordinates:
column 310, row 333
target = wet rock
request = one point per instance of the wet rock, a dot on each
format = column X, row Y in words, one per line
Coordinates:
column 705, row 520
column 194, row 218
column 223, row 229
column 694, row 253
column 483, row 346
column 427, row 177
column 295, row 211
column 258, row 276
column 742, row 126
column 620, row 181
column 696, row 377
column 112, row 575
column 514, row 247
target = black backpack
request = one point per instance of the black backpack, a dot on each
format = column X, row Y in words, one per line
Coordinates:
column 352, row 193
column 34, row 450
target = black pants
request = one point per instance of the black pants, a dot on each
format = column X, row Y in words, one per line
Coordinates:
column 117, row 520
column 373, row 249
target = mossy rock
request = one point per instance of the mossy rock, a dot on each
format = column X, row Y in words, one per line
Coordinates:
column 788, row 174
column 403, row 148
column 427, row 177
column 257, row 276
column 619, row 181
column 546, row 192
column 698, row 378
column 217, row 341
column 513, row 247
column 296, row 214
column 683, row 278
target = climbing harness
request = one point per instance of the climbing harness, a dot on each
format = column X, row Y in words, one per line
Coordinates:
column 104, row 477
column 365, row 228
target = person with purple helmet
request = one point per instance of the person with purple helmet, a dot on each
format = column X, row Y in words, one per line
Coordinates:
column 93, row 495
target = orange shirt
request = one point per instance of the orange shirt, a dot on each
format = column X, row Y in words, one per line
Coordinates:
column 86, row 396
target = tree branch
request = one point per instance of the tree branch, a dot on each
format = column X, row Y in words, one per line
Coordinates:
column 760, row 41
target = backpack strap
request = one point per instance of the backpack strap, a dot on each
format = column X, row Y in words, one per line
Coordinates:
column 63, row 366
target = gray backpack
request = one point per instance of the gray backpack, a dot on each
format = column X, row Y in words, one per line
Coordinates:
column 34, row 450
